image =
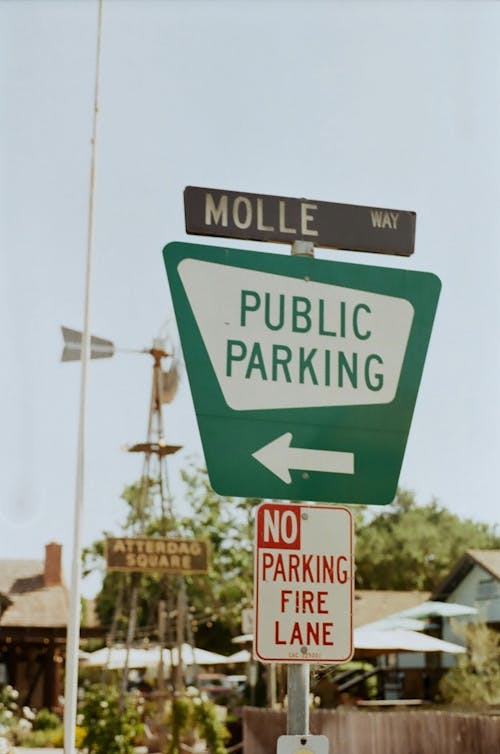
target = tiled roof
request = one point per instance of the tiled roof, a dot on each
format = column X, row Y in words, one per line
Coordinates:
column 371, row 605
column 32, row 603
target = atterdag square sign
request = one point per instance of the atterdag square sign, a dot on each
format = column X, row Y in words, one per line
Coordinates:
column 304, row 373
column 303, row 583
column 156, row 555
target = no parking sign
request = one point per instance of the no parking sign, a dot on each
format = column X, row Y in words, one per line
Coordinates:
column 303, row 583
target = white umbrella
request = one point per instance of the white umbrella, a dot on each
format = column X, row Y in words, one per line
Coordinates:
column 243, row 639
column 242, row 656
column 397, row 621
column 399, row 640
column 145, row 658
column 194, row 656
column 115, row 657
column 434, row 608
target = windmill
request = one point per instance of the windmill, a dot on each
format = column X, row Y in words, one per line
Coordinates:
column 165, row 381
column 154, row 478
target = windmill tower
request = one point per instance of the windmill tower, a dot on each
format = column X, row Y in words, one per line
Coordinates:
column 154, row 494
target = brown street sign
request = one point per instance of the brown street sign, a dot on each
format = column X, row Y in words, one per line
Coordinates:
column 262, row 217
column 156, row 555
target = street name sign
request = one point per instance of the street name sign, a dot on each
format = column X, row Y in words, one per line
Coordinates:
column 304, row 373
column 303, row 586
column 156, row 555
column 262, row 217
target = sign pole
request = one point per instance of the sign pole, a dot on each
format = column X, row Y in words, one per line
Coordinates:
column 297, row 721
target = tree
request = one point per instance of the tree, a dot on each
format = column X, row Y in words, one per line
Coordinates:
column 475, row 680
column 227, row 523
column 407, row 546
column 215, row 600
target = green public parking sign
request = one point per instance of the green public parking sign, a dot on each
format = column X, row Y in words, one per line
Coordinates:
column 304, row 373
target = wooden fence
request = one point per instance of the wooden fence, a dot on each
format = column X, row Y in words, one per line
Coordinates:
column 382, row 732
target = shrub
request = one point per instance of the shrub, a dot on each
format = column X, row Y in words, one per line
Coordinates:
column 109, row 729
column 475, row 680
column 190, row 715
column 46, row 720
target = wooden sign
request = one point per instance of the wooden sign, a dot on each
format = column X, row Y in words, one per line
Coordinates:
column 156, row 555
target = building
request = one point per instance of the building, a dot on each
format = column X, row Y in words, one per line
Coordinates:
column 34, row 612
column 474, row 581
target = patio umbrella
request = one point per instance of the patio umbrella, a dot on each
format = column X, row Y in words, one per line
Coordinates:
column 145, row 658
column 242, row 656
column 434, row 608
column 397, row 621
column 114, row 657
column 399, row 640
column 194, row 656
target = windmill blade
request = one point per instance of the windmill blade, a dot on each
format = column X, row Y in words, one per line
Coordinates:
column 99, row 347
column 169, row 382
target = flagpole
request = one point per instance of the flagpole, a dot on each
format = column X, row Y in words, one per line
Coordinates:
column 73, row 631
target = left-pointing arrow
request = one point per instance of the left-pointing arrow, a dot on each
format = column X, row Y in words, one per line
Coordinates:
column 279, row 457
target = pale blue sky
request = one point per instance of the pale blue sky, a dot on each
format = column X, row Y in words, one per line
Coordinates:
column 380, row 103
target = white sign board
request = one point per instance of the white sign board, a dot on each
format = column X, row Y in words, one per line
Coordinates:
column 302, row 745
column 294, row 368
column 304, row 583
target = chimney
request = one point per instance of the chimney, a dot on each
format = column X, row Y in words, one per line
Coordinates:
column 52, row 574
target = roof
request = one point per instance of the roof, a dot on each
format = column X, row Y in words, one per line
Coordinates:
column 12, row 571
column 31, row 602
column 489, row 560
column 371, row 605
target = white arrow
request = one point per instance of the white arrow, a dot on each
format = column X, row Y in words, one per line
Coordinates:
column 279, row 458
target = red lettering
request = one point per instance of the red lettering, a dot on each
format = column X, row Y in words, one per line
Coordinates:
column 312, row 633
column 296, row 636
column 280, row 568
column 277, row 639
column 267, row 562
column 285, row 594
column 322, row 609
column 327, row 634
column 342, row 572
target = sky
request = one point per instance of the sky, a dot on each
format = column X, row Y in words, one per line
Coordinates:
column 389, row 104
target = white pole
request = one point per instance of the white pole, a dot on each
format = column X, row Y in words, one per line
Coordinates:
column 73, row 632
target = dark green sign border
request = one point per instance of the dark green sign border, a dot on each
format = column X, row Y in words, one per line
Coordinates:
column 376, row 434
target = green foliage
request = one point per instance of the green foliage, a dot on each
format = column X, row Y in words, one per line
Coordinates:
column 190, row 716
column 212, row 729
column 216, row 599
column 21, row 726
column 43, row 739
column 110, row 730
column 227, row 524
column 8, row 719
column 475, row 680
column 414, row 547
column 46, row 720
